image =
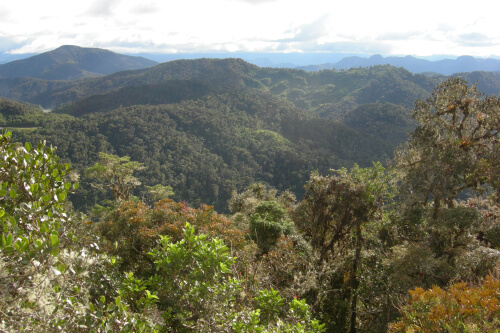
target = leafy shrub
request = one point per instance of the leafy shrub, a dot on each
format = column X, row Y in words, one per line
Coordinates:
column 43, row 269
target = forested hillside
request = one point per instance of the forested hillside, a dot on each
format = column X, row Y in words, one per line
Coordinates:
column 209, row 147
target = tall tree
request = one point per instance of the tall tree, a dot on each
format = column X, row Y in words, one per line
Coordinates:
column 117, row 174
column 455, row 146
column 448, row 171
column 335, row 211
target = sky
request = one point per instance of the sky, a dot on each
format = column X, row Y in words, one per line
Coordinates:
column 387, row 27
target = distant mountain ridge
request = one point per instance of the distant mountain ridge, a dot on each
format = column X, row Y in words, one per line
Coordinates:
column 446, row 67
column 70, row 62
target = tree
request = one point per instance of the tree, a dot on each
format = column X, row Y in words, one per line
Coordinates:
column 459, row 308
column 49, row 271
column 159, row 192
column 243, row 205
column 195, row 291
column 447, row 170
column 454, row 147
column 338, row 204
column 131, row 229
column 117, row 174
column 336, row 210
column 269, row 222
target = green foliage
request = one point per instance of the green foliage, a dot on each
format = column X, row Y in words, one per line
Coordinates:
column 132, row 228
column 269, row 303
column 269, row 222
column 444, row 161
column 343, row 215
column 193, row 281
column 116, row 173
column 159, row 192
column 209, row 126
column 193, row 289
column 333, row 94
column 176, row 268
column 389, row 122
column 49, row 270
column 271, row 315
column 33, row 190
column 16, row 115
column 447, row 208
column 41, row 265
column 171, row 91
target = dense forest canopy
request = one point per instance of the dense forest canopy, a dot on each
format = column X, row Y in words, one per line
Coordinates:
column 316, row 236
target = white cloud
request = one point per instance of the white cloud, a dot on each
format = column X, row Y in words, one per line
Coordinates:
column 102, row 8
column 144, row 8
column 387, row 26
column 309, row 31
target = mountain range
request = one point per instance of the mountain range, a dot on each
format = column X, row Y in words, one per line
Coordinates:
column 70, row 62
column 415, row 65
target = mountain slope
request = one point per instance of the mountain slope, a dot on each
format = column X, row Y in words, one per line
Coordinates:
column 328, row 93
column 72, row 62
column 324, row 91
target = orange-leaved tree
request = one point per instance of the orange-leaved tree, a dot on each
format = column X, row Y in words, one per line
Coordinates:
column 460, row 308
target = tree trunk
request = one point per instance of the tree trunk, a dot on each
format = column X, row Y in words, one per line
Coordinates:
column 354, row 279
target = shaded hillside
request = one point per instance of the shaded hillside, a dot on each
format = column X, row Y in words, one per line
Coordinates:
column 24, row 89
column 487, row 82
column 16, row 114
column 333, row 94
column 172, row 91
column 72, row 62
column 386, row 122
column 208, row 127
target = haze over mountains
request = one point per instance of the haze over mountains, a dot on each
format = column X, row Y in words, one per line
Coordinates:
column 415, row 65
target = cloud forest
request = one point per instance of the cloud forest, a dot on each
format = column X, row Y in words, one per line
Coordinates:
column 213, row 195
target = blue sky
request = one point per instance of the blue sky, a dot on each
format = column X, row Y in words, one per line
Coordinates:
column 418, row 28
